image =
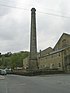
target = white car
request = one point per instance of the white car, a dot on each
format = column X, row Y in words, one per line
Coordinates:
column 3, row 72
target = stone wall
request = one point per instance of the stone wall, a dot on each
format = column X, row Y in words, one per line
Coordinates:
column 56, row 58
column 51, row 61
column 64, row 41
column 26, row 63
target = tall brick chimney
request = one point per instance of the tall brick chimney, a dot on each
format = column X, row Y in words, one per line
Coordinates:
column 33, row 64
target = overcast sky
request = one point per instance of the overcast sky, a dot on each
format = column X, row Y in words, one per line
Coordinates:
column 15, row 23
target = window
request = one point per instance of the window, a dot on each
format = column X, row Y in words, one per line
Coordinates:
column 59, row 54
column 64, row 52
column 64, row 43
column 59, row 65
column 52, row 65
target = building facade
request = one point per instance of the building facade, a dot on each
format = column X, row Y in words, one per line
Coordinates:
column 57, row 58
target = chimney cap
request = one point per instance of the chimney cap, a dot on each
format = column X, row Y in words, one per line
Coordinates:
column 33, row 9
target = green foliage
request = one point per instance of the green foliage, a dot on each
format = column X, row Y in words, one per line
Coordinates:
column 8, row 54
column 13, row 60
column 0, row 61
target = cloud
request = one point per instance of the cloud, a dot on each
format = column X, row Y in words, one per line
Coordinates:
column 5, row 10
column 15, row 23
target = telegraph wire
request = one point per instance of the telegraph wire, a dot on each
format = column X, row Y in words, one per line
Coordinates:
column 21, row 8
column 13, row 7
column 52, row 14
column 29, row 4
column 11, row 2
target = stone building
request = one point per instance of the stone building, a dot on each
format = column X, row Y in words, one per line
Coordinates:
column 57, row 58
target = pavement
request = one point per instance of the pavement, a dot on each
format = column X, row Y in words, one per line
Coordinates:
column 36, row 84
column 2, row 77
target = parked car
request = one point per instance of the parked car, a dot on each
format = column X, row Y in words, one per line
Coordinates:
column 3, row 72
column 8, row 70
column 0, row 71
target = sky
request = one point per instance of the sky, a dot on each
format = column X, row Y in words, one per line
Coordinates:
column 52, row 20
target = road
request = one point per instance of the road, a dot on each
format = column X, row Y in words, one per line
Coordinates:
column 36, row 84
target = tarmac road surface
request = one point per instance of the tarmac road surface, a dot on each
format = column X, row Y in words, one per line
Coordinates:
column 2, row 77
column 36, row 84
